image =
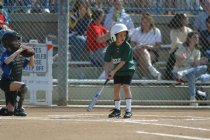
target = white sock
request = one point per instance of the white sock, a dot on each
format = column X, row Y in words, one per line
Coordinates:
column 117, row 104
column 128, row 104
column 153, row 71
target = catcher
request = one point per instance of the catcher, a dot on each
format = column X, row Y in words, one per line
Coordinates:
column 12, row 62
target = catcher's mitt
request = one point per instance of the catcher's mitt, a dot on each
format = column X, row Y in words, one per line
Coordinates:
column 27, row 52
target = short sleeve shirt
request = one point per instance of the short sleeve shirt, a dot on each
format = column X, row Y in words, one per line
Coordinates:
column 123, row 17
column 7, row 68
column 150, row 38
column 178, row 36
column 186, row 57
column 93, row 32
column 116, row 54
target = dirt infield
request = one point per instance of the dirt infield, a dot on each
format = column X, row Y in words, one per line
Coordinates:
column 78, row 124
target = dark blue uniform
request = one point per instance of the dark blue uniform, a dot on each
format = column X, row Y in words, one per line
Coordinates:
column 12, row 71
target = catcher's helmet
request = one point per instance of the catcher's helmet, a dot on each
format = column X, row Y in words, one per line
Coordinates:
column 117, row 28
column 8, row 38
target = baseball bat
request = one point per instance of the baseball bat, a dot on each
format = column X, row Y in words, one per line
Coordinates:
column 96, row 97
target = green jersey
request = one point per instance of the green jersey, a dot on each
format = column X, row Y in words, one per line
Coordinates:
column 116, row 54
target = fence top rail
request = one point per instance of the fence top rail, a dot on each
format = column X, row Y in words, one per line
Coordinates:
column 101, row 81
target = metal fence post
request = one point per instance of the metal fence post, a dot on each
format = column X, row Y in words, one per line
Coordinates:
column 62, row 52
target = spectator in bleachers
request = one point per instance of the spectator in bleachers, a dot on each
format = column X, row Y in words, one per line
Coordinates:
column 53, row 6
column 205, row 38
column 178, row 35
column 193, row 5
column 117, row 15
column 9, row 4
column 27, row 5
column 4, row 11
column 169, row 4
column 200, row 20
column 142, row 4
column 97, row 35
column 147, row 41
column 105, row 4
column 37, row 5
column 79, row 18
column 3, row 20
column 4, row 25
column 189, row 63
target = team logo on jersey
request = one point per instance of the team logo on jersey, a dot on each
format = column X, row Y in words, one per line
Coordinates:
column 116, row 61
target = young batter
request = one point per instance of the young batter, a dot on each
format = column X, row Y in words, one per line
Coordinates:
column 121, row 55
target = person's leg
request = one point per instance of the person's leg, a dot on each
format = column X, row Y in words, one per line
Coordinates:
column 151, row 57
column 191, row 88
column 21, row 93
column 128, row 100
column 21, row 90
column 128, row 96
column 10, row 98
column 116, row 111
column 117, row 84
column 53, row 6
column 28, row 3
column 15, row 85
column 204, row 78
column 45, row 6
column 10, row 89
column 142, row 62
column 200, row 70
column 169, row 67
column 77, row 47
column 97, row 57
column 189, row 4
column 117, row 96
column 197, row 5
column 191, row 77
column 197, row 71
column 166, row 5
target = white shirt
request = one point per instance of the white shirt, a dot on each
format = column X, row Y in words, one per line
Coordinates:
column 150, row 38
column 123, row 18
column 178, row 37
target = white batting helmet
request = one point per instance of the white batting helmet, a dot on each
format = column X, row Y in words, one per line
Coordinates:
column 117, row 28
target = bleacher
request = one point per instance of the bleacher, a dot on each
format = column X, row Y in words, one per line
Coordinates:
column 41, row 23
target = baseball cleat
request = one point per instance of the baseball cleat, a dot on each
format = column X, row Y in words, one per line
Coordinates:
column 115, row 113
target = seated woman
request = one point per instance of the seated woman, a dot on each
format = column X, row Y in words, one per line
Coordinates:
column 79, row 19
column 189, row 65
column 147, row 41
column 178, row 35
column 3, row 18
column 97, row 35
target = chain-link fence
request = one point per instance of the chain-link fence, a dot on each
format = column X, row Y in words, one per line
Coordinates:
column 157, row 28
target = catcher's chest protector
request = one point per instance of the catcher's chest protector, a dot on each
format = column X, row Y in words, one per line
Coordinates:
column 16, row 68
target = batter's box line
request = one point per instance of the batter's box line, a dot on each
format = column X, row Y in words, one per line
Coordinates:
column 170, row 135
